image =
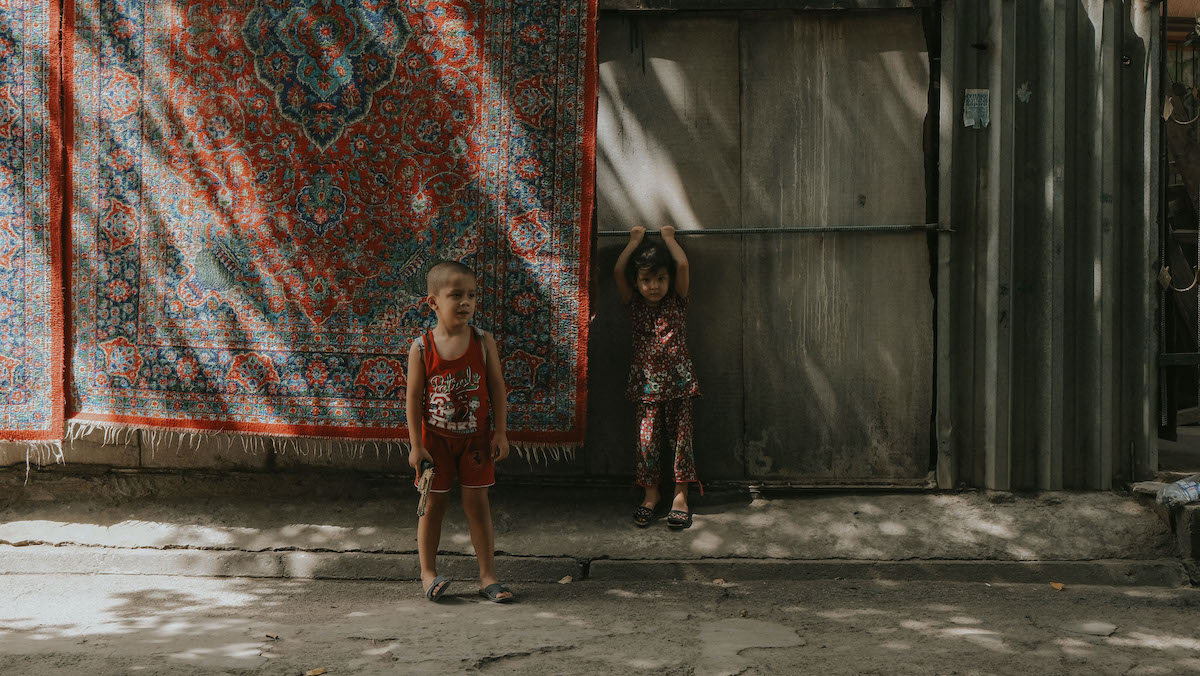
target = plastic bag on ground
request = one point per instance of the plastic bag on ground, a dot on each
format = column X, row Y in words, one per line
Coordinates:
column 1181, row 492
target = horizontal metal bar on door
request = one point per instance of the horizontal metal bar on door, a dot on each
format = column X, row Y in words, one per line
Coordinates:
column 816, row 229
column 1179, row 359
column 739, row 5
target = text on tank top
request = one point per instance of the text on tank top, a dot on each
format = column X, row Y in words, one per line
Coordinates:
column 456, row 394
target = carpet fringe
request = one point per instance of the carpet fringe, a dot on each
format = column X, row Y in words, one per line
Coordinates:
column 316, row 448
column 544, row 453
column 231, row 440
column 40, row 453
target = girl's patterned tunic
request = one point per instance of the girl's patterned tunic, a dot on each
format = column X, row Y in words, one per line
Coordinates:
column 661, row 368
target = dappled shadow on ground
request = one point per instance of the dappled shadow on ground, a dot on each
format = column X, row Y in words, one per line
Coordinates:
column 149, row 624
column 140, row 624
column 587, row 524
column 187, row 621
column 1058, row 629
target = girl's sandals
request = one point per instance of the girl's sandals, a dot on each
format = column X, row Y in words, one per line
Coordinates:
column 642, row 516
column 677, row 519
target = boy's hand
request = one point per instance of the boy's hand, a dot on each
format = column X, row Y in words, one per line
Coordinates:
column 667, row 231
column 637, row 234
column 499, row 446
column 416, row 455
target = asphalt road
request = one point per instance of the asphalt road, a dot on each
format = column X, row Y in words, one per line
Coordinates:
column 115, row 624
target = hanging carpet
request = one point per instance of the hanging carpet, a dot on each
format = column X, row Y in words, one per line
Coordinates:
column 31, row 189
column 260, row 185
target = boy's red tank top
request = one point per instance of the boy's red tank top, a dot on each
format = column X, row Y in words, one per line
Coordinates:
column 456, row 393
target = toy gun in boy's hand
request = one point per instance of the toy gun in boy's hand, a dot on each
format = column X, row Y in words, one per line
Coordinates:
column 423, row 484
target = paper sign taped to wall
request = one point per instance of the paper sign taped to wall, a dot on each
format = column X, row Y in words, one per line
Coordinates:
column 977, row 108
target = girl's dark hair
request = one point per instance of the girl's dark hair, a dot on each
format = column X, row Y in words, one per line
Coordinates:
column 650, row 255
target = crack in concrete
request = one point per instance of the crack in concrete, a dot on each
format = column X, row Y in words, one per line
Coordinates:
column 584, row 562
column 266, row 550
column 489, row 660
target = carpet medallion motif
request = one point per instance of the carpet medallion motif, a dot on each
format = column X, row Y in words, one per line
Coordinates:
column 260, row 186
column 324, row 59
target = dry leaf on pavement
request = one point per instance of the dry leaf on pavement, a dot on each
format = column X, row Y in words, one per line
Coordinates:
column 1058, row 586
column 567, row 579
column 315, row 672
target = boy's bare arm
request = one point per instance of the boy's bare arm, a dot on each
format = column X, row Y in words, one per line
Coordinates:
column 619, row 272
column 413, row 398
column 682, row 273
column 498, row 396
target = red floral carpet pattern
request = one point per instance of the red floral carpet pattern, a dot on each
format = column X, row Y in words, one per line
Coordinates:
column 260, row 185
column 31, row 402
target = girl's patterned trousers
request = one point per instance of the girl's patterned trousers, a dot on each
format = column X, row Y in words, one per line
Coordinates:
column 675, row 417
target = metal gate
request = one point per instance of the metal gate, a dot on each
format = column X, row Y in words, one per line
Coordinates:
column 787, row 147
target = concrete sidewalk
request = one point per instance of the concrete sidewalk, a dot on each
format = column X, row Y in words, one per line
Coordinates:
column 356, row 527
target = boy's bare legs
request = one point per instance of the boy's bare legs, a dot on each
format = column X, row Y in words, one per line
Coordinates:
column 681, row 494
column 479, row 519
column 429, row 535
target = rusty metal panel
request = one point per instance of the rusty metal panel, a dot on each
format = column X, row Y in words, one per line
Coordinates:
column 839, row 345
column 715, row 325
column 833, row 114
column 668, row 122
column 838, row 357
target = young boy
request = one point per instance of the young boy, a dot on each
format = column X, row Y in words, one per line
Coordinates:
column 454, row 381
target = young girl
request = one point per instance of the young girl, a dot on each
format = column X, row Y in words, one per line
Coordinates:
column 653, row 282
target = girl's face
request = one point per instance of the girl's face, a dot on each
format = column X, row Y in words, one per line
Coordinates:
column 653, row 284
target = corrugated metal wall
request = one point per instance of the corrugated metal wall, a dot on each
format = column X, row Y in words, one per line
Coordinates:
column 1049, row 282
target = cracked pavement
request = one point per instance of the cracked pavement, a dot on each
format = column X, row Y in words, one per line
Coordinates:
column 69, row 624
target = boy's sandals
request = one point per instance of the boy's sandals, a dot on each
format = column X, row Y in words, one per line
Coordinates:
column 493, row 592
column 437, row 588
column 677, row 519
column 642, row 516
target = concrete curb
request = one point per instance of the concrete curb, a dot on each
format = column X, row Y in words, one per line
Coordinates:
column 1183, row 522
column 1187, row 531
column 43, row 559
column 1150, row 573
column 38, row 559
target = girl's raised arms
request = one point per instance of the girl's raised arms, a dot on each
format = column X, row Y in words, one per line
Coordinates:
column 682, row 274
column 636, row 235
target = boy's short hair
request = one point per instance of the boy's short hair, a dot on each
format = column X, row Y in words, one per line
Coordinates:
column 650, row 255
column 439, row 275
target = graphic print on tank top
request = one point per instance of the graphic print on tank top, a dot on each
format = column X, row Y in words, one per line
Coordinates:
column 456, row 396
column 454, row 401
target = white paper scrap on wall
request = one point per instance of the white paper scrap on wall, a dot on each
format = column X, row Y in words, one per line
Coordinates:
column 977, row 107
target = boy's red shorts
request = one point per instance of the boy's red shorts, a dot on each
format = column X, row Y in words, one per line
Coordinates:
column 468, row 458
